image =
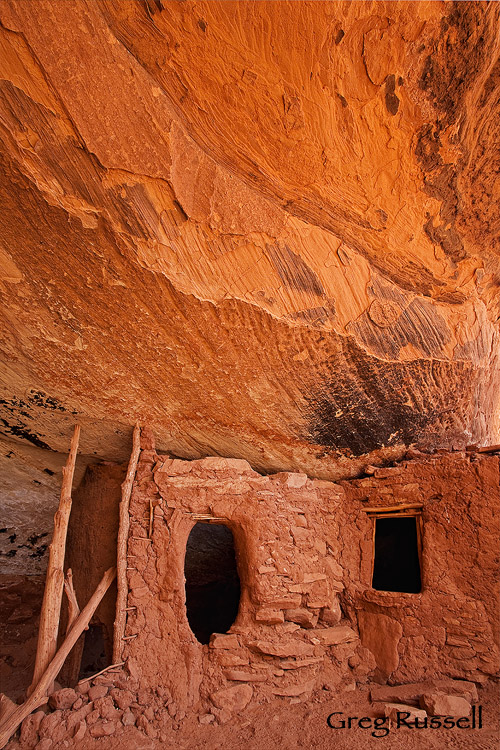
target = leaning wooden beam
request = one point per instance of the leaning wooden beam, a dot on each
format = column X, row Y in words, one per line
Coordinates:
column 39, row 695
column 489, row 449
column 51, row 605
column 73, row 608
column 121, row 555
column 6, row 707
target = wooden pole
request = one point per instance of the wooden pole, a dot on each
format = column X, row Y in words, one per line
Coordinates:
column 106, row 669
column 39, row 694
column 122, row 543
column 51, row 605
column 6, row 707
column 73, row 608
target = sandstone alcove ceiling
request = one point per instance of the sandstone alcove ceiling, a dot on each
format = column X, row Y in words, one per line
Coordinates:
column 268, row 229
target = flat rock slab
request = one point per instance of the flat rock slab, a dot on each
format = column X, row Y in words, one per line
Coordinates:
column 293, row 691
column 219, row 640
column 283, row 649
column 413, row 691
column 440, row 704
column 302, row 616
column 335, row 635
column 270, row 616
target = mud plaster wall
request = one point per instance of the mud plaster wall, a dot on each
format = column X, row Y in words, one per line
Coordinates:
column 450, row 628
column 303, row 548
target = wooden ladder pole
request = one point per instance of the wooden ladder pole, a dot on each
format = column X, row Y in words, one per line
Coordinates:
column 73, row 608
column 122, row 544
column 51, row 606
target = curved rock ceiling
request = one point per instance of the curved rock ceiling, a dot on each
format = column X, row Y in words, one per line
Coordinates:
column 269, row 229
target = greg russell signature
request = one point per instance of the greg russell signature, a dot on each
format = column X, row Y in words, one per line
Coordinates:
column 381, row 726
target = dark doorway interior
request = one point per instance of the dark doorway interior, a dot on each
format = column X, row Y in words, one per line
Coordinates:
column 396, row 565
column 94, row 652
column 212, row 582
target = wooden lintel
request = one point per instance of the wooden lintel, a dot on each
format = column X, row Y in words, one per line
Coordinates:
column 484, row 449
column 207, row 518
column 393, row 508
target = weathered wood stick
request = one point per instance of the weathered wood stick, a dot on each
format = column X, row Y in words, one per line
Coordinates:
column 39, row 695
column 122, row 543
column 395, row 508
column 106, row 669
column 6, row 707
column 205, row 517
column 73, row 608
column 152, row 505
column 484, row 449
column 489, row 449
column 150, row 532
column 52, row 597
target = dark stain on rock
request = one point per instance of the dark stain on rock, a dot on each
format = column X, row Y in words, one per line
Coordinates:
column 448, row 239
column 293, row 271
column 202, row 25
column 391, row 100
column 25, row 434
column 153, row 6
column 340, row 36
column 451, row 68
column 35, row 398
column 427, row 148
column 367, row 403
column 440, row 182
column 34, row 538
column 46, row 402
column 455, row 60
column 40, row 551
column 343, row 100
column 17, row 411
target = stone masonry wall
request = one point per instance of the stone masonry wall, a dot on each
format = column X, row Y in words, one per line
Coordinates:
column 290, row 635
column 451, row 627
column 304, row 553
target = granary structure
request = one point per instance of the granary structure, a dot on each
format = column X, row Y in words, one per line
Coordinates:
column 316, row 584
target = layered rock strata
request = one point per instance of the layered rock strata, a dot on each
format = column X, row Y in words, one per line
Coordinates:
column 268, row 229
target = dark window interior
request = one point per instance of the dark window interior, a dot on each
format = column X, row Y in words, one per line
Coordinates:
column 396, row 565
column 94, row 652
column 212, row 582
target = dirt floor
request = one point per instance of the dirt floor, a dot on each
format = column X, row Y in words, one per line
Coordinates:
column 280, row 724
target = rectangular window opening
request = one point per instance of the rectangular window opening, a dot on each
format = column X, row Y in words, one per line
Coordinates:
column 396, row 563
